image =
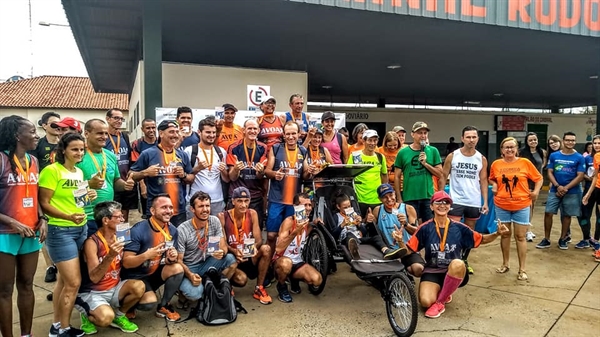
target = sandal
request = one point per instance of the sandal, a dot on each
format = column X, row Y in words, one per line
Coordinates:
column 522, row 276
column 503, row 269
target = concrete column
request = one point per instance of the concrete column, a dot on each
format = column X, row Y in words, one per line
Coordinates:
column 152, row 55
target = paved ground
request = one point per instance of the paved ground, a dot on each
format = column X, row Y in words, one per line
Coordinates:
column 561, row 298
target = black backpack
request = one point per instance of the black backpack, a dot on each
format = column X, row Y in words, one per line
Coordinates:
column 224, row 185
column 217, row 305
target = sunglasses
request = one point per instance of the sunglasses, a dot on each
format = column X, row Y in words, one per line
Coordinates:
column 443, row 202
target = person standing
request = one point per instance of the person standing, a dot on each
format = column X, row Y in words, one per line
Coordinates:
column 389, row 149
column 537, row 156
column 227, row 131
column 565, row 172
column 184, row 119
column 147, row 141
column 466, row 170
column 271, row 126
column 357, row 138
column 401, row 132
column 23, row 227
column 295, row 114
column 415, row 166
column 333, row 141
column 593, row 195
column 452, row 146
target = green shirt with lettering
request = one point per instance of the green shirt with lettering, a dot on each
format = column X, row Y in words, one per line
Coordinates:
column 368, row 181
column 63, row 182
column 89, row 168
column 418, row 181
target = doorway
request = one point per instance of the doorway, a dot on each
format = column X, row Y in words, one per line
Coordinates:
column 377, row 126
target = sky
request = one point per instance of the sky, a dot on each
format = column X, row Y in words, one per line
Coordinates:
column 47, row 50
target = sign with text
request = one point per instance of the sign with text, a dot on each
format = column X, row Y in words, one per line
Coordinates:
column 510, row 123
column 256, row 94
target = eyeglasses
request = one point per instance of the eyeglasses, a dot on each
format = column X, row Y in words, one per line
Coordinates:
column 269, row 103
column 117, row 216
column 117, row 118
column 510, row 147
column 569, row 140
column 443, row 202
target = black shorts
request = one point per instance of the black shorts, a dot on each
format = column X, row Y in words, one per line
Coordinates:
column 438, row 278
column 154, row 280
column 249, row 268
column 468, row 212
column 412, row 258
column 295, row 267
column 127, row 199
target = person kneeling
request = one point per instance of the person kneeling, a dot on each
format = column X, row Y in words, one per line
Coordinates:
column 106, row 298
column 288, row 255
column 244, row 240
column 444, row 241
column 353, row 232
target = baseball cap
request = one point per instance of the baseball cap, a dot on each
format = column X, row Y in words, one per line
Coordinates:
column 228, row 106
column 267, row 98
column 67, row 122
column 327, row 115
column 169, row 123
column 441, row 196
column 369, row 134
column 398, row 128
column 319, row 131
column 384, row 189
column 240, row 192
column 419, row 125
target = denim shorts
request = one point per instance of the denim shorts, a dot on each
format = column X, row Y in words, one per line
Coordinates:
column 64, row 243
column 569, row 204
column 194, row 293
column 520, row 217
column 14, row 244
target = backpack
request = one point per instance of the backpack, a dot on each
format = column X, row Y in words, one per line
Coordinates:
column 379, row 157
column 217, row 305
column 224, row 185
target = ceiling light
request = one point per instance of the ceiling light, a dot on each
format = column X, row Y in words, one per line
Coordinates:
column 394, row 66
column 326, row 87
column 499, row 94
column 472, row 102
column 594, row 77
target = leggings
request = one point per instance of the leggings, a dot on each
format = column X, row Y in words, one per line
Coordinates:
column 586, row 215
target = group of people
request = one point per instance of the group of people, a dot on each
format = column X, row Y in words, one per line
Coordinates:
column 207, row 194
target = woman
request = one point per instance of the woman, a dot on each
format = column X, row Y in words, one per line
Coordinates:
column 590, row 196
column 357, row 134
column 270, row 125
column 63, row 194
column 588, row 149
column 444, row 241
column 509, row 177
column 317, row 156
column 333, row 141
column 554, row 144
column 537, row 156
column 390, row 148
column 22, row 225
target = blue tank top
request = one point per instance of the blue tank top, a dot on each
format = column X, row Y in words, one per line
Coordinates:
column 303, row 125
column 386, row 222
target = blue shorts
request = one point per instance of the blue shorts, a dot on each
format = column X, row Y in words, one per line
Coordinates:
column 91, row 227
column 14, row 244
column 569, row 204
column 194, row 293
column 520, row 217
column 64, row 243
column 277, row 213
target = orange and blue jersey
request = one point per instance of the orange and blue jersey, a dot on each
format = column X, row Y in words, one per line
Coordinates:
column 19, row 196
column 247, row 176
column 271, row 133
column 230, row 229
column 283, row 191
column 112, row 277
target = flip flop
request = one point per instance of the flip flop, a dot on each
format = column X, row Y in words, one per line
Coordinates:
column 503, row 269
column 522, row 276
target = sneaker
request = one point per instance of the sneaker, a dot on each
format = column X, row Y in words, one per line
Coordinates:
column 394, row 254
column 545, row 243
column 582, row 244
column 86, row 326
column 50, row 274
column 261, row 295
column 124, row 324
column 436, row 310
column 469, row 268
column 353, row 248
column 53, row 331
column 284, row 295
column 596, row 245
column 529, row 236
column 568, row 238
column 448, row 300
column 295, row 287
column 597, row 256
column 71, row 332
column 267, row 283
column 168, row 312
column 563, row 244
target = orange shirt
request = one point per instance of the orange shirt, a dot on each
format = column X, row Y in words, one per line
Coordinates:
column 390, row 159
column 229, row 136
column 356, row 147
column 513, row 189
column 597, row 168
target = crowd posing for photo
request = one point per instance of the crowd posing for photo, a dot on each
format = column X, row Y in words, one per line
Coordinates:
column 206, row 195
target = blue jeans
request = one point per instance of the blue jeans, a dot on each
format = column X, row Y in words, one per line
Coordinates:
column 193, row 293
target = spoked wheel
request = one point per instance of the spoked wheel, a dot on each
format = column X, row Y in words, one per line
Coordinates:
column 401, row 305
column 316, row 254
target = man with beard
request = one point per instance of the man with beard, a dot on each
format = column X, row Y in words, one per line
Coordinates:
column 166, row 169
column 228, row 132
column 100, row 169
column 246, row 160
column 184, row 118
column 152, row 258
column 147, row 141
column 213, row 169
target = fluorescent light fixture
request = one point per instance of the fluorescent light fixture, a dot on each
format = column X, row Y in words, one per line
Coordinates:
column 326, row 87
column 394, row 66
column 472, row 102
column 594, row 77
column 499, row 94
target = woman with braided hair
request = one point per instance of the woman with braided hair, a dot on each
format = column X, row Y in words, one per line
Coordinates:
column 22, row 224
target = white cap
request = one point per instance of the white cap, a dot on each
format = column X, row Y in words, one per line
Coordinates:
column 370, row 133
column 267, row 98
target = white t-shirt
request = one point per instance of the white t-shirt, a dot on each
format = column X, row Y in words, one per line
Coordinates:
column 209, row 179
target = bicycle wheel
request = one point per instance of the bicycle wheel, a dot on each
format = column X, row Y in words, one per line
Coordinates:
column 401, row 305
column 315, row 254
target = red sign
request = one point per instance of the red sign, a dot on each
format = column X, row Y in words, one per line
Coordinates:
column 510, row 123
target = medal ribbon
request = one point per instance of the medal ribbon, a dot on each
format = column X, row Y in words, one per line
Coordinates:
column 173, row 156
column 103, row 170
column 293, row 156
column 210, row 162
column 237, row 232
column 117, row 148
column 202, row 242
column 166, row 234
column 113, row 263
column 249, row 159
column 442, row 240
column 25, row 172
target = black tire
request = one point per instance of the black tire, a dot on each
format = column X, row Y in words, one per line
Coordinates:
column 401, row 305
column 316, row 254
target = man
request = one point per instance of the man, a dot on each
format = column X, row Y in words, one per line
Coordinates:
column 152, row 258
column 241, row 227
column 368, row 181
column 107, row 298
column 452, row 146
column 390, row 218
column 286, row 166
column 184, row 119
column 415, row 165
column 166, row 169
column 246, row 160
column 100, row 169
column 119, row 144
column 288, row 255
column 401, row 132
column 466, row 170
column 213, row 168
column 67, row 124
column 227, row 131
column 565, row 171
column 147, row 141
column 295, row 114
column 195, row 236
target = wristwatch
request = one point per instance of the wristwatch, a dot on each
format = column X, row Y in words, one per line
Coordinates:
column 43, row 217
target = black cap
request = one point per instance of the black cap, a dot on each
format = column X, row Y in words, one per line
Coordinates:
column 228, row 106
column 327, row 115
column 167, row 124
